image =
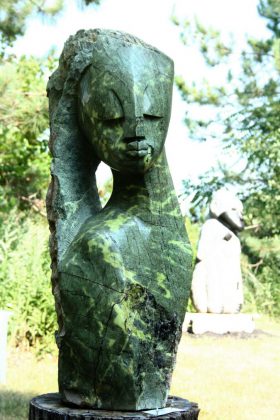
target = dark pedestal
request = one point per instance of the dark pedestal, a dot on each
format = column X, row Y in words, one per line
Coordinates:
column 50, row 407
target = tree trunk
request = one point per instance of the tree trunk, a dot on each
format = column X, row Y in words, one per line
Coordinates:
column 50, row 407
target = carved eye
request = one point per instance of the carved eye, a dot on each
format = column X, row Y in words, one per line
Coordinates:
column 152, row 109
column 151, row 117
column 109, row 107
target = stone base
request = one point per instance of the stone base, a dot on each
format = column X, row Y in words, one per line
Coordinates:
column 50, row 407
column 199, row 323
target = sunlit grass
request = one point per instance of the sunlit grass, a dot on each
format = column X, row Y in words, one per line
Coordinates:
column 26, row 377
column 230, row 378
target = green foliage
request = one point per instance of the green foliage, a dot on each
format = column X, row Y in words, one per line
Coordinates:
column 209, row 40
column 193, row 234
column 24, row 121
column 24, row 176
column 270, row 9
column 15, row 13
column 105, row 191
column 243, row 111
column 87, row 2
column 24, row 160
column 25, row 281
column 245, row 115
column 261, row 267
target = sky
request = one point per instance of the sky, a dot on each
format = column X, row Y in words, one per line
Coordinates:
column 150, row 21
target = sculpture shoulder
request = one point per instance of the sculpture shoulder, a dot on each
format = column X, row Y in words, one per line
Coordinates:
column 214, row 228
column 95, row 253
column 212, row 224
column 114, row 226
column 105, row 234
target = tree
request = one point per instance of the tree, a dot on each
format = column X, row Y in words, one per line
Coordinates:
column 24, row 176
column 14, row 14
column 24, row 160
column 23, row 122
column 243, row 111
column 245, row 114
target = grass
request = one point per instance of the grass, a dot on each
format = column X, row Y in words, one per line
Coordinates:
column 26, row 378
column 231, row 378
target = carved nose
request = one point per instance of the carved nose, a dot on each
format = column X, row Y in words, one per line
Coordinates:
column 140, row 128
column 134, row 128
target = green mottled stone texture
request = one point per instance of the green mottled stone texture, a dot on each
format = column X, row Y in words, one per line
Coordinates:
column 121, row 275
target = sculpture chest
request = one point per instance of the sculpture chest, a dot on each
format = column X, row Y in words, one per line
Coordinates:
column 122, row 288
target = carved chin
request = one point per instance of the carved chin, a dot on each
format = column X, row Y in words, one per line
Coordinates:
column 139, row 166
column 135, row 162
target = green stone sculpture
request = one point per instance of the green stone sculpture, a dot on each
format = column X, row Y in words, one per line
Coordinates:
column 121, row 275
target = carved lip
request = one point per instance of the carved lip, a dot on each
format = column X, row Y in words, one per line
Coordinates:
column 138, row 149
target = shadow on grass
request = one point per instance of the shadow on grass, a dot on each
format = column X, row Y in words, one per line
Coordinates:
column 237, row 335
column 14, row 405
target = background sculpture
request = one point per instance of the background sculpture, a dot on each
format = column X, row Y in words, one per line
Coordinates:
column 120, row 275
column 217, row 279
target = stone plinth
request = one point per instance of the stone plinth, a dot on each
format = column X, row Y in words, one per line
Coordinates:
column 50, row 407
column 200, row 323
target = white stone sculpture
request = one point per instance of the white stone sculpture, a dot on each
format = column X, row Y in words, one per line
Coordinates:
column 217, row 279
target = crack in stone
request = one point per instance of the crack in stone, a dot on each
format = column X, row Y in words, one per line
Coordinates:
column 92, row 281
column 102, row 342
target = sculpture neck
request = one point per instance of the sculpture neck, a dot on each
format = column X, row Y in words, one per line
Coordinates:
column 228, row 225
column 150, row 193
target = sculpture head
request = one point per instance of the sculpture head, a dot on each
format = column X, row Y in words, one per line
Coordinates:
column 109, row 100
column 226, row 207
column 124, row 100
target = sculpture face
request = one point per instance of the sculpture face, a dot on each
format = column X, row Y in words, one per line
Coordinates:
column 226, row 207
column 125, row 104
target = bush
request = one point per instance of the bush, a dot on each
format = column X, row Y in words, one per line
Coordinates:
column 261, row 273
column 25, row 287
column 193, row 231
